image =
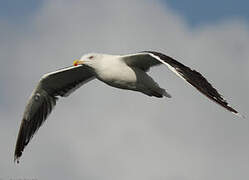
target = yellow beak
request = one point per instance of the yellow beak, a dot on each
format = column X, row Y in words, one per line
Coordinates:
column 77, row 62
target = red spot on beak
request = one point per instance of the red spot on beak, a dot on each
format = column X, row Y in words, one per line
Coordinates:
column 75, row 63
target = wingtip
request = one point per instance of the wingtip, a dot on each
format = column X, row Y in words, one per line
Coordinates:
column 16, row 159
column 166, row 94
column 17, row 155
column 240, row 115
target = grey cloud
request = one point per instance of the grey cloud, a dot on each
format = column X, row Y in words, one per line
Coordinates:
column 105, row 133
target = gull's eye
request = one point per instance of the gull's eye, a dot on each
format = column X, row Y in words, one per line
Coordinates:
column 91, row 57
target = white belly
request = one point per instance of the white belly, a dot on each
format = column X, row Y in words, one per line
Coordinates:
column 121, row 76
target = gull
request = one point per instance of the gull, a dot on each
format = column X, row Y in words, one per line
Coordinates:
column 121, row 71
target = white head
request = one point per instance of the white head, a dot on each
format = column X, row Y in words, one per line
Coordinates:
column 88, row 59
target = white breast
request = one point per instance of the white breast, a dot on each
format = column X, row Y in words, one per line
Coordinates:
column 115, row 72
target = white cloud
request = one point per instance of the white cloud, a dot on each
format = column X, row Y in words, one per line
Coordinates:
column 104, row 133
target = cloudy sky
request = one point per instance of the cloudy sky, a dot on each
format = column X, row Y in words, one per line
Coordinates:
column 102, row 133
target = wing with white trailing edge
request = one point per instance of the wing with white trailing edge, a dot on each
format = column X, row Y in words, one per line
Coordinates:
column 144, row 60
column 43, row 99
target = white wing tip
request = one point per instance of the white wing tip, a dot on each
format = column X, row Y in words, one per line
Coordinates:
column 16, row 159
column 239, row 115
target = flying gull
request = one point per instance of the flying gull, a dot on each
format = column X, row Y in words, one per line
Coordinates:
column 120, row 71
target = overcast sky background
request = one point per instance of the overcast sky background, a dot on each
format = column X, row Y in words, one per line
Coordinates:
column 102, row 133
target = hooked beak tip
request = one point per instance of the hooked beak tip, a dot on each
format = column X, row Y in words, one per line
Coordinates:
column 76, row 62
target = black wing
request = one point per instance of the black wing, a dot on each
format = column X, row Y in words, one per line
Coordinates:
column 141, row 60
column 43, row 99
column 144, row 60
